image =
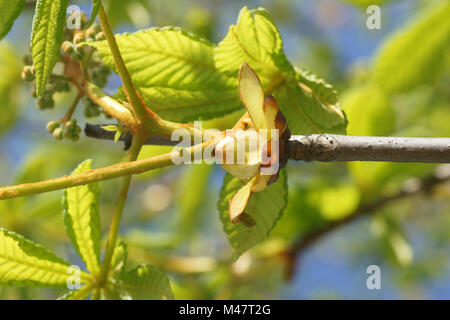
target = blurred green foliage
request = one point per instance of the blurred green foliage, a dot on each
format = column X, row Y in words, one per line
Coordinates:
column 403, row 90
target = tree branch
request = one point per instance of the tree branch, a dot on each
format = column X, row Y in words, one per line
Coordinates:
column 338, row 148
column 141, row 111
column 115, row 171
column 441, row 175
column 332, row 147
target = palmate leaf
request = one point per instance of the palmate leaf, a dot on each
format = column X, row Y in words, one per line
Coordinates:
column 308, row 102
column 255, row 39
column 175, row 73
column 416, row 54
column 265, row 208
column 9, row 11
column 144, row 283
column 82, row 219
column 310, row 105
column 25, row 263
column 46, row 38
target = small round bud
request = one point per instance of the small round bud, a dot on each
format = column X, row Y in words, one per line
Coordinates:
column 52, row 125
column 75, row 137
column 67, row 47
column 58, row 134
column 69, row 125
column 46, row 102
column 27, row 74
column 79, row 37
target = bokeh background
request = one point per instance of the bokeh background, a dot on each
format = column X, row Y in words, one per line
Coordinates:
column 171, row 218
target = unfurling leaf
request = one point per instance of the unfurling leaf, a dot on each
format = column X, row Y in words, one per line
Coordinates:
column 255, row 39
column 46, row 38
column 252, row 95
column 25, row 263
column 308, row 102
column 240, row 200
column 82, row 219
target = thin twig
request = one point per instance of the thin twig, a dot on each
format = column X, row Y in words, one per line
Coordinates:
column 139, row 107
column 71, row 110
column 117, row 215
column 115, row 171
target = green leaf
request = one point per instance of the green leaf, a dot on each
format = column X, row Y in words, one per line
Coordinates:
column 46, row 38
column 416, row 54
column 111, row 127
column 265, row 208
column 175, row 73
column 256, row 40
column 25, row 263
column 95, row 7
column 80, row 294
column 9, row 11
column 144, row 283
column 119, row 259
column 82, row 219
column 118, row 129
column 308, row 102
column 310, row 105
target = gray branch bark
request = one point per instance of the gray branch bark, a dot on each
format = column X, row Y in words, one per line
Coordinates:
column 331, row 147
